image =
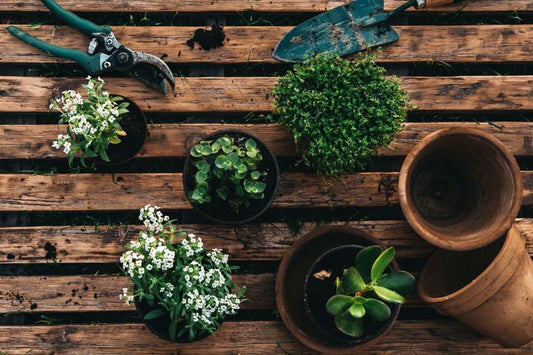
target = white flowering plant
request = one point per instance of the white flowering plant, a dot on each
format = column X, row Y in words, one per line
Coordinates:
column 178, row 277
column 93, row 122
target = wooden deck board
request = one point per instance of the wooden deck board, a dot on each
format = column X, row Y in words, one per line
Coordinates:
column 254, row 44
column 175, row 140
column 86, row 293
column 77, row 192
column 245, row 94
column 257, row 337
column 255, row 5
column 258, row 242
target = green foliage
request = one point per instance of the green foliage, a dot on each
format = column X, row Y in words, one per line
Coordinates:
column 340, row 111
column 364, row 289
column 228, row 167
column 93, row 122
column 176, row 276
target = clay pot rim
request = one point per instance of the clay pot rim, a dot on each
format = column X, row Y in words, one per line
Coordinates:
column 466, row 290
column 282, row 306
column 274, row 192
column 410, row 212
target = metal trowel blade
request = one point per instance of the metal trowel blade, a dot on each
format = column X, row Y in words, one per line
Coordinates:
column 338, row 31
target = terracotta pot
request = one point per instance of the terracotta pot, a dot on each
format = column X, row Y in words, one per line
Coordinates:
column 489, row 289
column 220, row 211
column 460, row 188
column 291, row 289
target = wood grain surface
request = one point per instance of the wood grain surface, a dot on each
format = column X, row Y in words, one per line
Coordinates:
column 255, row 5
column 245, row 94
column 120, row 192
column 254, row 44
column 257, row 241
column 175, row 140
column 87, row 293
column 254, row 337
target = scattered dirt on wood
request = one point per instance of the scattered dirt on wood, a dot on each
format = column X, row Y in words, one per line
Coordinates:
column 10, row 256
column 208, row 39
column 33, row 306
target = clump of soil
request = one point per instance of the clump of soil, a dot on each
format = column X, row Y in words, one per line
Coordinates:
column 208, row 39
column 51, row 252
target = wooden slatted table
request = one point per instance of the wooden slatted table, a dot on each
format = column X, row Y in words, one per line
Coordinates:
column 59, row 285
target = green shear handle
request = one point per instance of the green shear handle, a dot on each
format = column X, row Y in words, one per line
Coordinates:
column 74, row 20
column 88, row 62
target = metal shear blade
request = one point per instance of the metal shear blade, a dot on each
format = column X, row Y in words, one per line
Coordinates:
column 149, row 69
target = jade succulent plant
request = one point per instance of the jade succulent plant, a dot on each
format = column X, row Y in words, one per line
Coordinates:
column 229, row 167
column 365, row 290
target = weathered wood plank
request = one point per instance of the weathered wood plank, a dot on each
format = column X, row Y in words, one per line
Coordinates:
column 271, row 337
column 254, row 44
column 174, row 140
column 244, row 94
column 266, row 241
column 255, row 5
column 101, row 293
column 77, row 192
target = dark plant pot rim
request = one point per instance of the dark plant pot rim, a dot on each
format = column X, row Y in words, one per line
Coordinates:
column 266, row 150
column 340, row 348
column 165, row 336
column 395, row 308
column 142, row 117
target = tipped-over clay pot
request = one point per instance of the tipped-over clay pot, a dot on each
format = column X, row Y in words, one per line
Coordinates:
column 460, row 188
column 489, row 289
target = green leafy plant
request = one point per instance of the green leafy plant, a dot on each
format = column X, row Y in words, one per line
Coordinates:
column 228, row 166
column 178, row 277
column 339, row 111
column 365, row 288
column 93, row 122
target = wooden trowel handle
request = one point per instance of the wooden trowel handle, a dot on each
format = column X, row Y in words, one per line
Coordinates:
column 424, row 4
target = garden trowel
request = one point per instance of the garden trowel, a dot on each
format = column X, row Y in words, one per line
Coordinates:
column 345, row 29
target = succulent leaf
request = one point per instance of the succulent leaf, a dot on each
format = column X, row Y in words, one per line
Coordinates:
column 353, row 282
column 399, row 281
column 365, row 259
column 349, row 325
column 338, row 304
column 381, row 264
column 388, row 295
column 357, row 310
column 377, row 310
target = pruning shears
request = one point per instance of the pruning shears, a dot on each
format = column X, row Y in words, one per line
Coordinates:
column 104, row 53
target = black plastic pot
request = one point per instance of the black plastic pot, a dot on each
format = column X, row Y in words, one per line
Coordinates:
column 301, row 298
column 159, row 326
column 220, row 211
column 134, row 124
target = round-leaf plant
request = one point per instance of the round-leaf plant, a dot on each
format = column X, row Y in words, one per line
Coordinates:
column 339, row 111
column 228, row 166
column 178, row 277
column 93, row 122
column 365, row 290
